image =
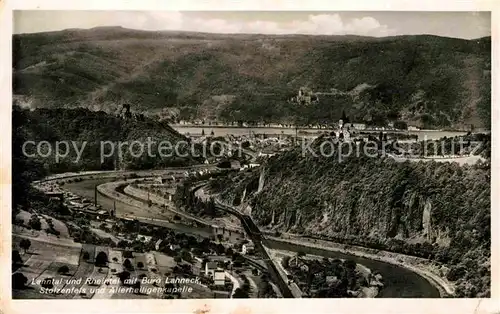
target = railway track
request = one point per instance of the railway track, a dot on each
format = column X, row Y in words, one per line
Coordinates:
column 256, row 236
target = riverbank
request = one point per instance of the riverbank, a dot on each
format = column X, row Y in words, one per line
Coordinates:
column 422, row 285
column 461, row 160
column 365, row 292
column 160, row 200
column 417, row 265
column 293, row 127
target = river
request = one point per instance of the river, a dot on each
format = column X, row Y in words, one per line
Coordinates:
column 399, row 282
column 86, row 189
column 238, row 131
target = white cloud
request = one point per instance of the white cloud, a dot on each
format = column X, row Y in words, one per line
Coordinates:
column 314, row 24
column 321, row 24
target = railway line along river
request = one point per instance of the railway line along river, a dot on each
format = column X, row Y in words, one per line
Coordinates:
column 239, row 131
column 399, row 282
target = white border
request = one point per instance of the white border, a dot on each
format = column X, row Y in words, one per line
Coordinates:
column 440, row 306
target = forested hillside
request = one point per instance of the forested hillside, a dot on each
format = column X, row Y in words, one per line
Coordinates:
column 426, row 80
column 84, row 126
column 433, row 210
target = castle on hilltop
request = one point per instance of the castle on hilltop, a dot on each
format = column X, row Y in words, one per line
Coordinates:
column 305, row 96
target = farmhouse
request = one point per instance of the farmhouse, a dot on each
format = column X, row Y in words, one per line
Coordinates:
column 210, row 268
column 219, row 278
column 247, row 248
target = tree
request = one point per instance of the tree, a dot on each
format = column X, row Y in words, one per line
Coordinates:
column 456, row 272
column 220, row 249
column 123, row 244
column 101, row 259
column 86, row 255
column 128, row 254
column 124, row 275
column 187, row 256
column 127, row 264
column 16, row 258
column 229, row 252
column 240, row 294
column 25, row 244
column 350, row 264
column 48, row 283
column 137, row 287
column 285, row 261
column 63, row 269
column 400, row 125
column 19, row 281
column 35, row 222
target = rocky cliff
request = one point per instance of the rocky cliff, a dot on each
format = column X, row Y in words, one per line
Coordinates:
column 433, row 210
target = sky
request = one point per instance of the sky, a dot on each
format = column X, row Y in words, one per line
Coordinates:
column 468, row 25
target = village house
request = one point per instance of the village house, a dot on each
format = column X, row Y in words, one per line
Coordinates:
column 235, row 164
column 249, row 166
column 349, row 130
column 159, row 180
column 358, row 126
column 144, row 238
column 210, row 268
column 219, row 278
column 174, row 247
column 247, row 248
column 266, row 153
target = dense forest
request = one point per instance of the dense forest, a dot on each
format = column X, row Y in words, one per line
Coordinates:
column 84, row 126
column 439, row 211
column 427, row 80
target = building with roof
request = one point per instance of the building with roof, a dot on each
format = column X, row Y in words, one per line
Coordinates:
column 210, row 268
column 219, row 278
column 247, row 248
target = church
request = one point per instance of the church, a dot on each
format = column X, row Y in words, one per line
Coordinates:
column 347, row 130
column 343, row 131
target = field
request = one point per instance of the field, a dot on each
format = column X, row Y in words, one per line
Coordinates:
column 58, row 225
column 42, row 260
column 49, row 253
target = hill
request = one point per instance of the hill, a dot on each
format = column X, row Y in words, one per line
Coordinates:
column 439, row 211
column 426, row 80
column 84, row 131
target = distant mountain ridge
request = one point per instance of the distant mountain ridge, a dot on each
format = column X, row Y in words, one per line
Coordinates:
column 426, row 80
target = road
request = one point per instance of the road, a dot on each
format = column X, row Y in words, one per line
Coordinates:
column 255, row 235
column 399, row 281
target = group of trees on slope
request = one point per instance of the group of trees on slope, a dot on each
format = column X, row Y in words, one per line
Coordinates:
column 429, row 80
column 439, row 211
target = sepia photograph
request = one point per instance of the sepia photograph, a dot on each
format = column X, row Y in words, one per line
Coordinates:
column 251, row 154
